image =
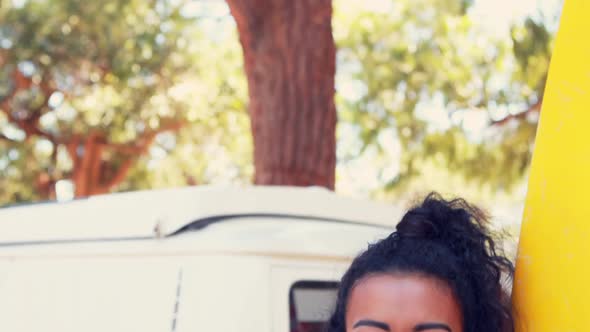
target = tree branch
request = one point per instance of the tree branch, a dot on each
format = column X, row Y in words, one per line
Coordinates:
column 84, row 165
column 132, row 152
column 535, row 108
column 144, row 142
column 72, row 148
column 4, row 138
column 29, row 125
column 119, row 176
column 5, row 102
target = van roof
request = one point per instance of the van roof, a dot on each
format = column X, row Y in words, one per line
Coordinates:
column 160, row 213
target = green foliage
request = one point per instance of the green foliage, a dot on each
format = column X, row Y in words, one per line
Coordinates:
column 532, row 45
column 452, row 94
column 122, row 69
column 422, row 76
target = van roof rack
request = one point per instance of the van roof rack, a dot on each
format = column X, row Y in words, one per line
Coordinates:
column 161, row 213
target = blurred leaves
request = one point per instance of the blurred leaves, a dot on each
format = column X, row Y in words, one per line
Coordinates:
column 451, row 93
column 119, row 70
column 420, row 84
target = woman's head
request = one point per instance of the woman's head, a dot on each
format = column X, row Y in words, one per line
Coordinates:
column 440, row 270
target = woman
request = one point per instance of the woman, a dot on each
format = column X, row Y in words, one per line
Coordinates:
column 440, row 271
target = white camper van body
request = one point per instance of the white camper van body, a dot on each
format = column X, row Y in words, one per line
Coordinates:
column 193, row 259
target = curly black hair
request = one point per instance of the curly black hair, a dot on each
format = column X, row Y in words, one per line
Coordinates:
column 447, row 240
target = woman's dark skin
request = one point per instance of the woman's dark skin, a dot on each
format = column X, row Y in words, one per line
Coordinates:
column 402, row 303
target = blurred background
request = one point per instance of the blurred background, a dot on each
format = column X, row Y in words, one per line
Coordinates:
column 121, row 95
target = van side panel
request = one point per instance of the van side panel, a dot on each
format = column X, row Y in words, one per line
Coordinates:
column 225, row 293
column 148, row 294
column 90, row 295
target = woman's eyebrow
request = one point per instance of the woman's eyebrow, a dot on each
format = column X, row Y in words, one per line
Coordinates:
column 372, row 323
column 432, row 326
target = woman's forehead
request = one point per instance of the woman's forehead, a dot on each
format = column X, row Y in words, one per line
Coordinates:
column 403, row 301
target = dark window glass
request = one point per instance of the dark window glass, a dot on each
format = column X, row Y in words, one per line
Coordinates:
column 311, row 304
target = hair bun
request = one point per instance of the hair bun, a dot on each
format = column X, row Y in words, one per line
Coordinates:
column 416, row 223
column 454, row 222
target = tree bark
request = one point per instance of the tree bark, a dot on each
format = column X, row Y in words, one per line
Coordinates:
column 290, row 56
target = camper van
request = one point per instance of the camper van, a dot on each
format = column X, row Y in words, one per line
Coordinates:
column 194, row 259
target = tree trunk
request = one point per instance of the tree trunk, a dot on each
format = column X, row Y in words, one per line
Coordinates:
column 289, row 56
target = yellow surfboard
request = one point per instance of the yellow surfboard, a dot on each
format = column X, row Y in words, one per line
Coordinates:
column 552, row 282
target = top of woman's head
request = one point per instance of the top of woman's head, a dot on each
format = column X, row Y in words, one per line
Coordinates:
column 448, row 241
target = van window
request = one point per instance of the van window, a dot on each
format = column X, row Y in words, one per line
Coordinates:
column 310, row 305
